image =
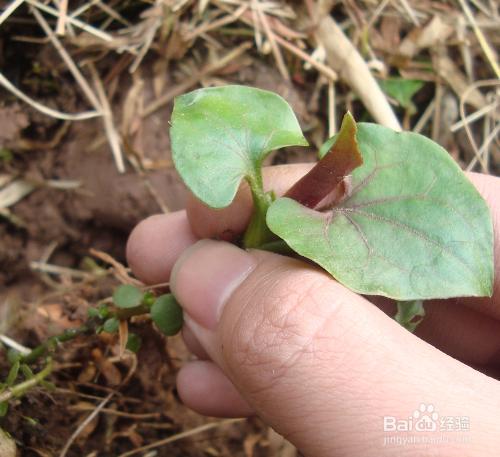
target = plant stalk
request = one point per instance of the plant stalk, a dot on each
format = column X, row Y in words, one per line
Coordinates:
column 49, row 345
column 87, row 328
column 126, row 313
column 257, row 232
column 19, row 389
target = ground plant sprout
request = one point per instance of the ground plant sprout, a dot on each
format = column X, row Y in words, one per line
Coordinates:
column 385, row 213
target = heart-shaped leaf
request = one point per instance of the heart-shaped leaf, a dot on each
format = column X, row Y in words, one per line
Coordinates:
column 220, row 135
column 412, row 227
column 402, row 90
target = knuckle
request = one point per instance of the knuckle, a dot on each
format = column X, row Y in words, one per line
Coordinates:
column 280, row 329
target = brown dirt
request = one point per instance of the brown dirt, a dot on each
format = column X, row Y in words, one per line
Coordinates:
column 99, row 214
column 64, row 224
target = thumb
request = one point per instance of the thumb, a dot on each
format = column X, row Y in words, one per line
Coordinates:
column 322, row 365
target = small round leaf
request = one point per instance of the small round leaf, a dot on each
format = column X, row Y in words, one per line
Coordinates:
column 148, row 299
column 111, row 325
column 127, row 296
column 93, row 313
column 167, row 314
column 133, row 342
column 103, row 311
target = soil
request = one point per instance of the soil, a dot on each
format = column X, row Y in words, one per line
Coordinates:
column 100, row 214
column 97, row 207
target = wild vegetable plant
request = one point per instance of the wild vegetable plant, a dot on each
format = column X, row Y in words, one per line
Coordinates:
column 385, row 213
column 127, row 301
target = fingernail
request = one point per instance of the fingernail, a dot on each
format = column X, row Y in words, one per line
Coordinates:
column 206, row 275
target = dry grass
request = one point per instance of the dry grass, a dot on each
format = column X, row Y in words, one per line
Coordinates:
column 128, row 60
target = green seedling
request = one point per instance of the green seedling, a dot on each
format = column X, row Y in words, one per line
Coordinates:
column 164, row 310
column 111, row 325
column 385, row 213
column 402, row 90
column 128, row 301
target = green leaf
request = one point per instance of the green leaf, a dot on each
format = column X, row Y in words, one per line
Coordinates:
column 93, row 313
column 221, row 135
column 127, row 296
column 148, row 298
column 133, row 342
column 13, row 356
column 4, row 408
column 167, row 314
column 103, row 311
column 31, row 421
column 13, row 372
column 47, row 385
column 27, row 373
column 111, row 325
column 402, row 90
column 6, row 155
column 410, row 314
column 413, row 226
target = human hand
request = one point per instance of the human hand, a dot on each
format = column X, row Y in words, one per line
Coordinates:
column 278, row 337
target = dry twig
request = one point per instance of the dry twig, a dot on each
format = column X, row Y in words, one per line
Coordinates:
column 61, row 20
column 109, row 125
column 346, row 60
column 98, row 408
column 45, row 109
column 272, row 40
column 72, row 67
column 6, row 13
column 120, row 271
column 193, row 80
column 180, row 436
column 73, row 21
column 488, row 52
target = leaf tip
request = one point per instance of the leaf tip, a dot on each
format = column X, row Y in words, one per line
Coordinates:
column 348, row 119
column 347, row 137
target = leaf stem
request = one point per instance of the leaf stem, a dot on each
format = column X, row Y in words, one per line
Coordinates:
column 126, row 313
column 87, row 328
column 410, row 314
column 21, row 388
column 257, row 232
column 50, row 344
